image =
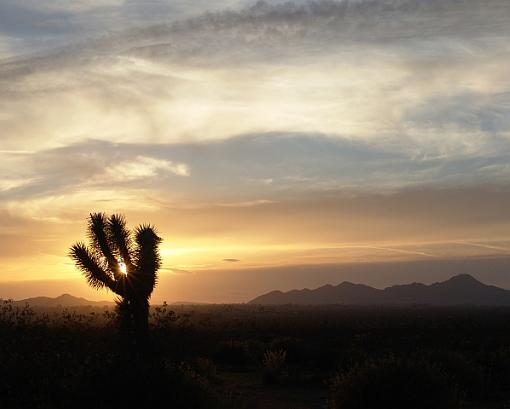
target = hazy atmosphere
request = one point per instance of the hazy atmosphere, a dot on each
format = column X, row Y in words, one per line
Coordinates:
column 275, row 145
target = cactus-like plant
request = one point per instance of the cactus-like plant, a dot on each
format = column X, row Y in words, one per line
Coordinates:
column 273, row 363
column 122, row 261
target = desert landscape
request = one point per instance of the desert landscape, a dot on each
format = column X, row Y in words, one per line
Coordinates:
column 255, row 204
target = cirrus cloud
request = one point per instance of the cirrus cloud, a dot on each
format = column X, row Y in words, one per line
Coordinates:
column 142, row 167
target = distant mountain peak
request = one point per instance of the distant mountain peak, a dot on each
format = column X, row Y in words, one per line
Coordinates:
column 68, row 297
column 350, row 284
column 462, row 289
column 464, row 278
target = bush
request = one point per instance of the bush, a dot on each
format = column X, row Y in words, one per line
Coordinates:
column 273, row 364
column 393, row 383
column 468, row 377
column 496, row 373
column 294, row 347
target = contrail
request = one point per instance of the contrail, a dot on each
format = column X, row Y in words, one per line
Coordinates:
column 485, row 246
column 419, row 253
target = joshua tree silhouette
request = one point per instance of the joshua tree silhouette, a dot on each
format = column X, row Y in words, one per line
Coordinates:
column 123, row 261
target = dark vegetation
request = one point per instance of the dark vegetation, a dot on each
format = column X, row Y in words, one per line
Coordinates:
column 242, row 356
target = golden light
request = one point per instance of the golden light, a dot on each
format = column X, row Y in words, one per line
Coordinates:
column 123, row 268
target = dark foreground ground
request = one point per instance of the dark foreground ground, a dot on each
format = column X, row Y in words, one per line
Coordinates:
column 240, row 356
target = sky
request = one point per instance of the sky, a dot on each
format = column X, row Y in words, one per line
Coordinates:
column 275, row 145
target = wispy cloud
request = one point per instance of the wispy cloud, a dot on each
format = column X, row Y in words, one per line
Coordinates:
column 142, row 167
column 437, row 79
column 234, row 172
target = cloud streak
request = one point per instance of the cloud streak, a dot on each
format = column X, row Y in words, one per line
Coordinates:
column 251, row 170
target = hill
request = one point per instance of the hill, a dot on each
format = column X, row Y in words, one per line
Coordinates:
column 64, row 300
column 462, row 289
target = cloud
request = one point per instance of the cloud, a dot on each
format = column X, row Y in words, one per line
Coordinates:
column 232, row 173
column 7, row 48
column 231, row 260
column 464, row 112
column 89, row 166
column 295, row 30
column 396, row 72
column 316, row 68
column 305, row 30
column 34, row 26
column 178, row 271
column 13, row 183
column 142, row 167
column 75, row 6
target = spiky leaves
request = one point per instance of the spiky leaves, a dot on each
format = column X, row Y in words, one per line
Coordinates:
column 147, row 258
column 111, row 244
column 91, row 267
column 100, row 243
column 120, row 238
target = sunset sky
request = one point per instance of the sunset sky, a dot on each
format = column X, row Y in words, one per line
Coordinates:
column 275, row 145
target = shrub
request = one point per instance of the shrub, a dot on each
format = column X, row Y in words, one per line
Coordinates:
column 294, row 347
column 206, row 368
column 393, row 383
column 468, row 377
column 273, row 364
column 496, row 371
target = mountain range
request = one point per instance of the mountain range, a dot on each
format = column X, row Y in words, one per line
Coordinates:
column 461, row 289
column 67, row 300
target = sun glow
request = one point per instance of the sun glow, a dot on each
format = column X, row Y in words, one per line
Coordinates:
column 123, row 268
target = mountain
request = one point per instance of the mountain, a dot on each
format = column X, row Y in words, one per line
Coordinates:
column 65, row 300
column 462, row 289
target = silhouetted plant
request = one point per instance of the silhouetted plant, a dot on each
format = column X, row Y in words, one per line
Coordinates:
column 163, row 320
column 274, row 363
column 122, row 261
column 294, row 347
column 393, row 383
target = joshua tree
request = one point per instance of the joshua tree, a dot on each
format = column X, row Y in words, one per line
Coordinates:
column 123, row 261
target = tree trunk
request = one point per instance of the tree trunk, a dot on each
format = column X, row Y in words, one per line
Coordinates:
column 140, row 319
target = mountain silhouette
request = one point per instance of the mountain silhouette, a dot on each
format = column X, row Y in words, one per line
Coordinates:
column 67, row 300
column 64, row 300
column 461, row 289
